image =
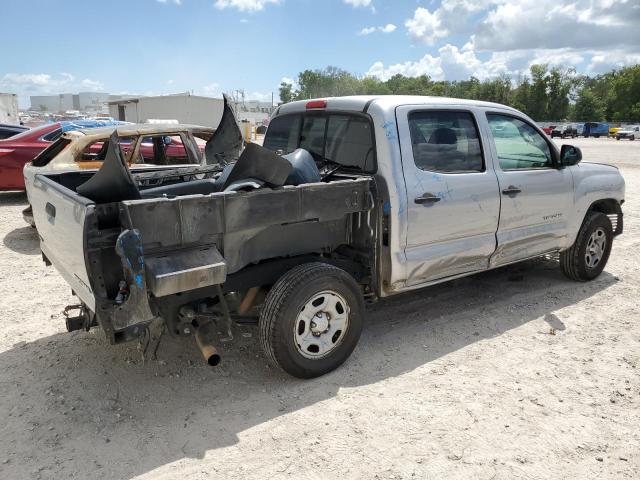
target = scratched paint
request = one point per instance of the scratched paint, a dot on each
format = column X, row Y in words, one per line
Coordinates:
column 390, row 130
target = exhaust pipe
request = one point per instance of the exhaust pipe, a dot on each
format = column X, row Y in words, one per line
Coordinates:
column 209, row 352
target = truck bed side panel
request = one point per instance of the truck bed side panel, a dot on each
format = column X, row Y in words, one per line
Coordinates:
column 60, row 215
column 254, row 226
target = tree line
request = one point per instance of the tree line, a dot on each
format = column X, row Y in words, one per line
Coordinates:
column 543, row 94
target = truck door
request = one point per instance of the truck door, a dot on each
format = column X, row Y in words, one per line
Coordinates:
column 452, row 193
column 537, row 197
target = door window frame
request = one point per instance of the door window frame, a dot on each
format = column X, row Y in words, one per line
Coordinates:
column 450, row 110
column 477, row 123
column 555, row 154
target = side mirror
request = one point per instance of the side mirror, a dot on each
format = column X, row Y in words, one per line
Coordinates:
column 570, row 155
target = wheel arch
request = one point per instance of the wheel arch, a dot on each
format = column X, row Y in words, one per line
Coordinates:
column 611, row 208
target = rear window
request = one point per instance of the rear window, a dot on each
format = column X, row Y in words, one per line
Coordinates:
column 50, row 152
column 283, row 134
column 53, row 136
column 342, row 138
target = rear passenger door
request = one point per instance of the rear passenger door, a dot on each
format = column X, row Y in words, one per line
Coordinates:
column 452, row 193
column 537, row 196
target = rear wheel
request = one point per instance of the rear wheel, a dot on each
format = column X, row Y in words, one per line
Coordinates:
column 588, row 256
column 311, row 320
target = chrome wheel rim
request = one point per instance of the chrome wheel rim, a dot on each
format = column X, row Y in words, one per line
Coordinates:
column 595, row 248
column 321, row 325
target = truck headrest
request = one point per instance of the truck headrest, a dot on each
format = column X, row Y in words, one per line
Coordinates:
column 305, row 169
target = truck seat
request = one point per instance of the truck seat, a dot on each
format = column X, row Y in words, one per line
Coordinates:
column 304, row 170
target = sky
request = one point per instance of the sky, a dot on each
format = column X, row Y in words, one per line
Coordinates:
column 155, row 47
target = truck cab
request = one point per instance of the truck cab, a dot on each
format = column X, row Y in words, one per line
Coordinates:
column 350, row 199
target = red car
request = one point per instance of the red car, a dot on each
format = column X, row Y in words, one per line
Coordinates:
column 20, row 149
column 548, row 129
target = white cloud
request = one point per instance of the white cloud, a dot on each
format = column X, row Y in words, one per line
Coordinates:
column 211, row 89
column 27, row 84
column 507, row 38
column 367, row 31
column 245, row 5
column 603, row 62
column 358, row 3
column 43, row 83
column 426, row 26
column 260, row 96
column 388, row 28
column 176, row 2
column 288, row 80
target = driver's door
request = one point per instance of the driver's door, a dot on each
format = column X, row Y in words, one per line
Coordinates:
column 536, row 196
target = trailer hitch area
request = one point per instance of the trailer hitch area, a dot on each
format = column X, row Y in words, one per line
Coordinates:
column 84, row 319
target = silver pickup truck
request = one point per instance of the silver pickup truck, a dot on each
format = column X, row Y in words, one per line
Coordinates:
column 350, row 199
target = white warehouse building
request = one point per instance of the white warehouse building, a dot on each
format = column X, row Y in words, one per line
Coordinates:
column 183, row 107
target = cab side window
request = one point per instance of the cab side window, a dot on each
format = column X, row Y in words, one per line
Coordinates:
column 518, row 144
column 445, row 141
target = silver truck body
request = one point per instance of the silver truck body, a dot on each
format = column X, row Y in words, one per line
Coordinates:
column 396, row 229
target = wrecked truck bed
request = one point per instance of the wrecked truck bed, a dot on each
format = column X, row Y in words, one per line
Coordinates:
column 180, row 252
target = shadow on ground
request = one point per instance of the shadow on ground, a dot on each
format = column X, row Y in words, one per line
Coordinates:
column 23, row 240
column 71, row 396
column 12, row 199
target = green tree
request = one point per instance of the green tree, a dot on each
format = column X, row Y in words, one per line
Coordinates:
column 537, row 107
column 588, row 107
column 286, row 92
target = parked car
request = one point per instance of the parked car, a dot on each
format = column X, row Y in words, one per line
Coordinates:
column 350, row 198
column 548, row 129
column 632, row 132
column 9, row 130
column 613, row 131
column 150, row 146
column 20, row 149
column 595, row 129
column 564, row 131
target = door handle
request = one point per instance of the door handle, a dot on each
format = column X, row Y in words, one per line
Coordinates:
column 427, row 198
column 50, row 209
column 511, row 190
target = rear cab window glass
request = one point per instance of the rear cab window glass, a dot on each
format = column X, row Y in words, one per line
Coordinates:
column 283, row 134
column 518, row 145
column 445, row 141
column 335, row 138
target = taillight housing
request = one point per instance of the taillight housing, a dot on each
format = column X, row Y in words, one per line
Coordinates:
column 316, row 104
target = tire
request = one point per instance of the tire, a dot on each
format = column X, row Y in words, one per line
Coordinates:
column 287, row 339
column 574, row 262
column 618, row 138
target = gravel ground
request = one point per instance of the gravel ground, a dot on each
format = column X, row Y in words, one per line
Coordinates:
column 515, row 373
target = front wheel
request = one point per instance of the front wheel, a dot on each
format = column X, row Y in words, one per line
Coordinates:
column 311, row 320
column 589, row 254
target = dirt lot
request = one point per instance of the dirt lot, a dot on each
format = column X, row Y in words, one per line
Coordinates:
column 516, row 373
